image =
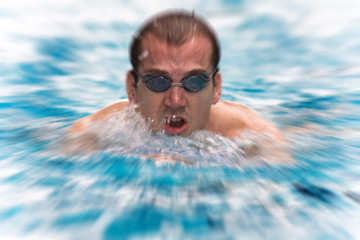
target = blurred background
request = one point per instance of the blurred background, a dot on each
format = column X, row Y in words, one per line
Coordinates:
column 84, row 46
column 295, row 62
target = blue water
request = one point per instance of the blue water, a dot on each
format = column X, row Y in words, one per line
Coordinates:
column 295, row 63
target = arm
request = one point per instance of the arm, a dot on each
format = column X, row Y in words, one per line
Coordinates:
column 102, row 115
column 81, row 139
column 234, row 119
column 231, row 118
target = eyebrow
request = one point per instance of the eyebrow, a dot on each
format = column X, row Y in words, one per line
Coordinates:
column 166, row 73
column 157, row 72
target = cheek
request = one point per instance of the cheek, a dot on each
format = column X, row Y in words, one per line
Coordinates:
column 142, row 96
column 202, row 103
column 207, row 97
column 150, row 103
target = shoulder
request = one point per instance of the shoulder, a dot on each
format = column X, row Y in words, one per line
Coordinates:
column 101, row 115
column 230, row 107
column 230, row 118
column 226, row 116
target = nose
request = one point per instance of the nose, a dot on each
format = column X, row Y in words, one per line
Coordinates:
column 175, row 97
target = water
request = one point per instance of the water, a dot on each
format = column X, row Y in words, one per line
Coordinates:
column 296, row 63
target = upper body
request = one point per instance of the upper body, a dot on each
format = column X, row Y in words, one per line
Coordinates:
column 175, row 82
column 227, row 118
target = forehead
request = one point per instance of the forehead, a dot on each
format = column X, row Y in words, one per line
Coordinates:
column 158, row 54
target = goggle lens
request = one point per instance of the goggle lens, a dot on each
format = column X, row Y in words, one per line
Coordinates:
column 191, row 84
column 158, row 83
column 195, row 83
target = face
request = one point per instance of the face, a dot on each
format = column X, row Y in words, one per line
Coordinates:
column 175, row 111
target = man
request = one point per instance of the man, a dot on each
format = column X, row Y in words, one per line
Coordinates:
column 175, row 82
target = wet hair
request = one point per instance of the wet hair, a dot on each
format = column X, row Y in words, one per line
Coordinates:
column 175, row 28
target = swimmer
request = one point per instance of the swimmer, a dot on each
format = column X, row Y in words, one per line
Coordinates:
column 175, row 82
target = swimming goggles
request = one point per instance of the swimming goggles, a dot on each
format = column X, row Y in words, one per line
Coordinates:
column 192, row 83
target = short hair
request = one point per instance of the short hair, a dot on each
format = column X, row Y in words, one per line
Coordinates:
column 176, row 28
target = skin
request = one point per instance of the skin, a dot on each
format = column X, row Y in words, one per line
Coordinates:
column 176, row 63
column 202, row 110
column 226, row 118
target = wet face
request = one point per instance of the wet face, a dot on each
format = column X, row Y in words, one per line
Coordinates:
column 175, row 111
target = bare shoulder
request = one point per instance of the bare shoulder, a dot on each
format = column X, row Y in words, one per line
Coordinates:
column 230, row 118
column 229, row 106
column 101, row 115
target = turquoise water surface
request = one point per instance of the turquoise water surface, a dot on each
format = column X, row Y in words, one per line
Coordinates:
column 296, row 63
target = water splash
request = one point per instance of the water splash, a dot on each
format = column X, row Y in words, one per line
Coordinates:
column 127, row 133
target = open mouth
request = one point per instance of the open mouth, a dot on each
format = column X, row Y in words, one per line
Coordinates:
column 175, row 124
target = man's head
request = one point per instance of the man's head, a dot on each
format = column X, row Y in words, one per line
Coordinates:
column 175, row 28
column 175, row 48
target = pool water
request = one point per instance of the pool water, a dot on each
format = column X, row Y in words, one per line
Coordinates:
column 295, row 63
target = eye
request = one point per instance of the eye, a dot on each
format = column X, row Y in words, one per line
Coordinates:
column 158, row 83
column 195, row 83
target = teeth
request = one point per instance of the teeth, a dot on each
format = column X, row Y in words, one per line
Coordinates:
column 175, row 119
column 171, row 119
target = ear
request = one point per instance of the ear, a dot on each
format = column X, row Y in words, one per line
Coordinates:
column 217, row 87
column 131, row 87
